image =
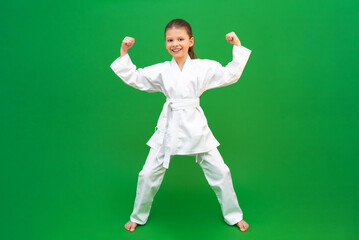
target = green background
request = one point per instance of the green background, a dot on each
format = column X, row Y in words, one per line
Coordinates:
column 73, row 135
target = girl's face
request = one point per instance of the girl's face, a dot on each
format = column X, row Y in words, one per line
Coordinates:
column 178, row 42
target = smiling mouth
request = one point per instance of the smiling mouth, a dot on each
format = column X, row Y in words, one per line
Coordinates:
column 176, row 50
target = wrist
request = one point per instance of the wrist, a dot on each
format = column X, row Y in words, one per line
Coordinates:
column 123, row 53
column 238, row 44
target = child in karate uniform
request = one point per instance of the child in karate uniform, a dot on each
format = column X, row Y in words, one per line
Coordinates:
column 182, row 128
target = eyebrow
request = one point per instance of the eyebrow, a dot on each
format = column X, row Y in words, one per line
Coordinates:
column 178, row 36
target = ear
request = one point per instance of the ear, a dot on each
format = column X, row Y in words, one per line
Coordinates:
column 191, row 41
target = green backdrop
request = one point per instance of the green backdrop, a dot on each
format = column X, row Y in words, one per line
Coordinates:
column 73, row 135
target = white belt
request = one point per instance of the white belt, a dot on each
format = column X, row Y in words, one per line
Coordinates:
column 162, row 125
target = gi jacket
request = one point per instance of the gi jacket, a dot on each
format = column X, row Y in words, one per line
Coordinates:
column 182, row 127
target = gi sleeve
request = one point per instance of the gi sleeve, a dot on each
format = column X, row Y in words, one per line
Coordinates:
column 145, row 79
column 218, row 76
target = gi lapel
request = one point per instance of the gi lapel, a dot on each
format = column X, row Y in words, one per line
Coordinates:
column 185, row 66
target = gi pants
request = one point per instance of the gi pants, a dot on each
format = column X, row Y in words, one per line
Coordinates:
column 215, row 170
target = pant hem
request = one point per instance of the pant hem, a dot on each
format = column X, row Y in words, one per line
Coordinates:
column 138, row 222
column 235, row 222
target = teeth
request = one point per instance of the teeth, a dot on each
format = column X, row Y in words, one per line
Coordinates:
column 176, row 50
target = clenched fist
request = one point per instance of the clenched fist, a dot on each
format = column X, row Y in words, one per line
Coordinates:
column 233, row 39
column 127, row 43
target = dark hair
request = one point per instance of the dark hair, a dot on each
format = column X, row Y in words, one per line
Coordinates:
column 178, row 23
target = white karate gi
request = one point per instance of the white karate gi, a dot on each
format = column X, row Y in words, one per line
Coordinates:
column 182, row 127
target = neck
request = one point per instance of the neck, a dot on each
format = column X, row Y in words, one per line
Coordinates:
column 181, row 60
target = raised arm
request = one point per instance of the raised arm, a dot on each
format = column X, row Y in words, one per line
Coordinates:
column 145, row 79
column 218, row 76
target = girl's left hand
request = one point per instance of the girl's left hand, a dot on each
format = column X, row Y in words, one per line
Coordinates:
column 233, row 39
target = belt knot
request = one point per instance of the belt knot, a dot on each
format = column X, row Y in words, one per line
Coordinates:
column 171, row 104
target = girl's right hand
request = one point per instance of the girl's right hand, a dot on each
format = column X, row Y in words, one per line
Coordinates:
column 127, row 43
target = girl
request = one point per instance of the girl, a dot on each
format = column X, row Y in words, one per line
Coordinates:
column 182, row 127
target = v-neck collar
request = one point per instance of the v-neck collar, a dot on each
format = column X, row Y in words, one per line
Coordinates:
column 185, row 65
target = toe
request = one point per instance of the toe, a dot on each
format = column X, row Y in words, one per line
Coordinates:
column 245, row 227
column 128, row 226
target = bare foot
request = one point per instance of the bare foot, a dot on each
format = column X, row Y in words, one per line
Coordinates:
column 243, row 225
column 130, row 226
